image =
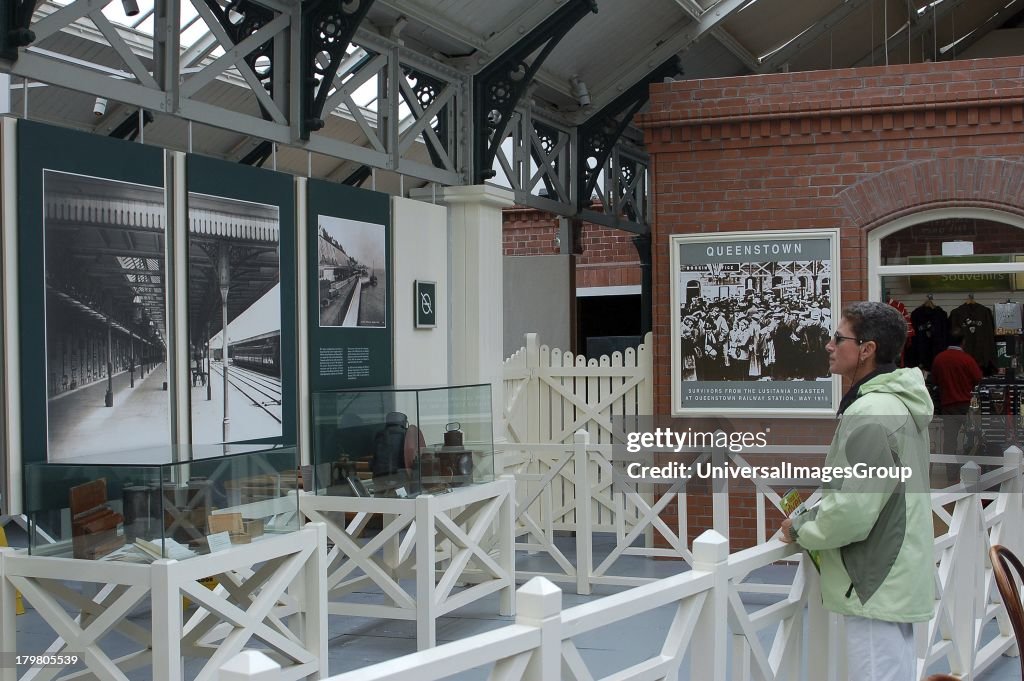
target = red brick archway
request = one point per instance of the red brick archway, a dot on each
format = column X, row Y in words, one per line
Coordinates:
column 996, row 183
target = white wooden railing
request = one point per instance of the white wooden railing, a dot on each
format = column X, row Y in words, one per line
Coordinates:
column 572, row 489
column 709, row 615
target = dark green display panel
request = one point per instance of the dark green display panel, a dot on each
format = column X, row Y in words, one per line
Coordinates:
column 350, row 296
column 247, row 215
column 94, row 166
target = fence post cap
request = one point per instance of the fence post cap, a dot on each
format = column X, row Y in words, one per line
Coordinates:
column 538, row 599
column 1014, row 454
column 970, row 472
column 581, row 436
column 252, row 664
column 710, row 547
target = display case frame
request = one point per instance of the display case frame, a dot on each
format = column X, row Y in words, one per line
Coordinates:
column 401, row 442
column 139, row 506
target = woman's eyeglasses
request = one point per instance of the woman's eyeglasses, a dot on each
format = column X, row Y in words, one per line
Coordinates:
column 837, row 339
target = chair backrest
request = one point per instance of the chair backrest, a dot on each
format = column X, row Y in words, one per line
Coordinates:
column 1001, row 557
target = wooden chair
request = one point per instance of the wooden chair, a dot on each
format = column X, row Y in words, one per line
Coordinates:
column 1000, row 556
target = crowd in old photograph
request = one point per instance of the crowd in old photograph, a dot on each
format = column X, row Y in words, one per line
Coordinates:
column 755, row 337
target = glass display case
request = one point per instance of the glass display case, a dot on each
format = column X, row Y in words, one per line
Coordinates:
column 401, row 442
column 165, row 502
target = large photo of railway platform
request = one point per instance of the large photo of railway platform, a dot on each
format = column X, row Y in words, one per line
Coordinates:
column 234, row 319
column 351, row 273
column 106, row 332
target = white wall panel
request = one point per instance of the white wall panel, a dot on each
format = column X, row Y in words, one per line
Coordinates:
column 420, row 240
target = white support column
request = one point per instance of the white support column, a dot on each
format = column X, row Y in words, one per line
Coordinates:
column 475, row 286
column 540, row 605
column 710, row 635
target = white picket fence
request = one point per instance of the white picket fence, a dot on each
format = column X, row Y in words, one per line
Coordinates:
column 551, row 394
column 704, row 610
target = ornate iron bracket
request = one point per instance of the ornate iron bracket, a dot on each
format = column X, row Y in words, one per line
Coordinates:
column 15, row 18
column 327, row 29
column 499, row 87
column 427, row 88
column 240, row 19
column 599, row 133
column 548, row 137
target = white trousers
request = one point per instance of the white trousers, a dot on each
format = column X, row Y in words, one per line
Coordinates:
column 880, row 651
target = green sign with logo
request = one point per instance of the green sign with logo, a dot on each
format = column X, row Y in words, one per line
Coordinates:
column 930, row 283
column 426, row 304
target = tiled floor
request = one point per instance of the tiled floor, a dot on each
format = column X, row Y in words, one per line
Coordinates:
column 358, row 642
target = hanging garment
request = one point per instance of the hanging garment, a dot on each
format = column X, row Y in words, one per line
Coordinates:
column 931, row 335
column 978, row 326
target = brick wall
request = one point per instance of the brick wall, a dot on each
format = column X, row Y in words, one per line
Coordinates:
column 608, row 257
column 851, row 149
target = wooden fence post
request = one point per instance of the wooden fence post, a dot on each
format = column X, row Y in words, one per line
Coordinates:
column 582, row 498
column 720, row 490
column 1014, row 540
column 821, row 653
column 710, row 635
column 8, row 632
column 965, row 580
column 540, row 605
column 426, row 586
column 532, row 388
column 166, row 598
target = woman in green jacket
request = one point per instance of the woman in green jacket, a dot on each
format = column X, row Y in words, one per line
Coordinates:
column 872, row 530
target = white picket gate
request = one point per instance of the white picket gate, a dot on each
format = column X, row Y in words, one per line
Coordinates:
column 551, row 394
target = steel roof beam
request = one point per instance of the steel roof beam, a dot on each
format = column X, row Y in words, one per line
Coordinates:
column 677, row 42
column 993, row 23
column 708, row 21
column 804, row 40
column 498, row 89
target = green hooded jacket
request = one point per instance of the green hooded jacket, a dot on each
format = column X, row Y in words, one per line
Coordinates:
column 875, row 535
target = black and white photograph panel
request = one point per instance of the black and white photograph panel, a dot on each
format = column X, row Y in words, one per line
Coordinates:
column 234, row 284
column 351, row 272
column 755, row 311
column 106, row 330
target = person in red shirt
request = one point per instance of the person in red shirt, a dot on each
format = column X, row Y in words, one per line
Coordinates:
column 956, row 373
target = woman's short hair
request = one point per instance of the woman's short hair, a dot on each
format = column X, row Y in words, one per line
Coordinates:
column 881, row 323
